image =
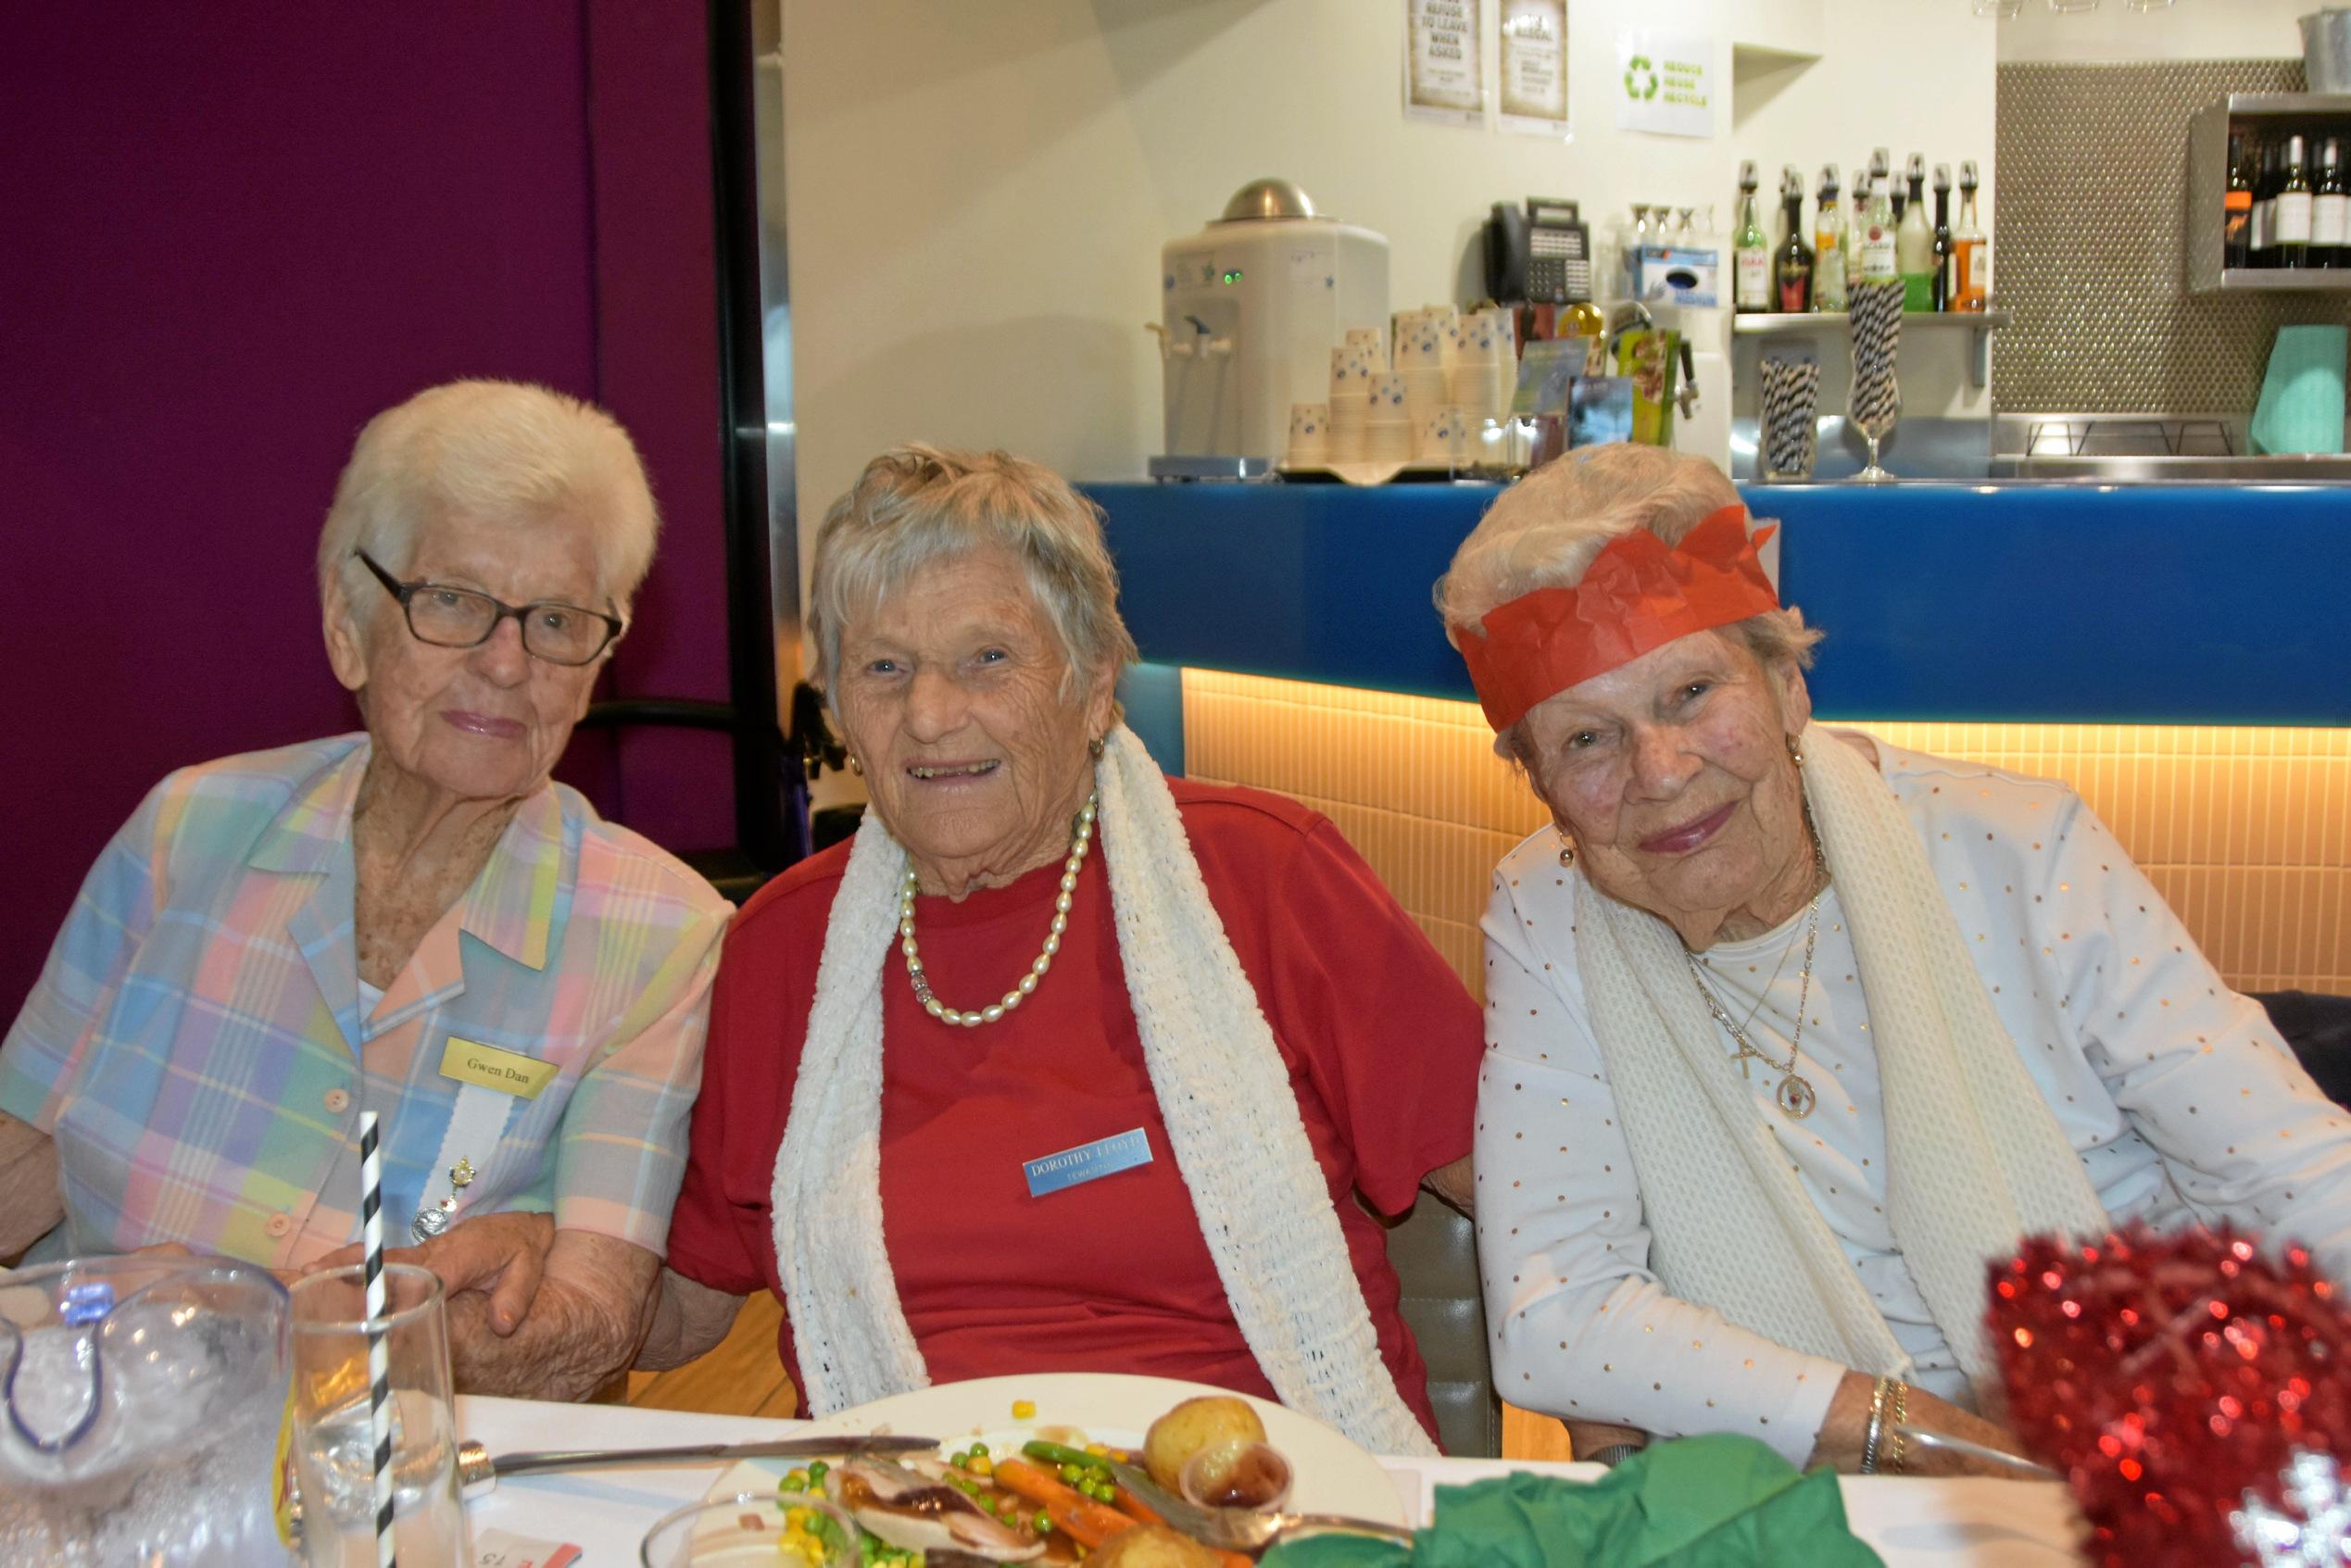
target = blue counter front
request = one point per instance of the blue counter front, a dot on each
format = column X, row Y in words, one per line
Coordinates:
column 2180, row 604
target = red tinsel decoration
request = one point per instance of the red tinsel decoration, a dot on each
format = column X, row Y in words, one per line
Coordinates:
column 2165, row 1376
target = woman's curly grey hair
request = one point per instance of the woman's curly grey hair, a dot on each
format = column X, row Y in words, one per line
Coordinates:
column 917, row 506
column 1545, row 531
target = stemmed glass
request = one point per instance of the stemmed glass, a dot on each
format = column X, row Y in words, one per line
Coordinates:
column 1876, row 316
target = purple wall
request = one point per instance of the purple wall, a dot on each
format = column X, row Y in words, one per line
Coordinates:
column 232, row 234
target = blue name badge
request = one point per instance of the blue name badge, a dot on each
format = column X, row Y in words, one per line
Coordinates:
column 1087, row 1162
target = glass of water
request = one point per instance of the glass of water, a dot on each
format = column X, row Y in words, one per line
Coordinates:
column 334, row 1441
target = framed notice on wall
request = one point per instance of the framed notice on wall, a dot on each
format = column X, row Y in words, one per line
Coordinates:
column 1533, row 69
column 1444, row 62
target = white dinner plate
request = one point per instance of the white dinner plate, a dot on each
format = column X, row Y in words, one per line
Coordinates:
column 1332, row 1476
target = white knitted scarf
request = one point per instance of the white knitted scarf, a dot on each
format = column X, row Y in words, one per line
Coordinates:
column 1975, row 1159
column 1224, row 1092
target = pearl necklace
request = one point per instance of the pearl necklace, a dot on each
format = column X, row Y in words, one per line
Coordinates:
column 1081, row 836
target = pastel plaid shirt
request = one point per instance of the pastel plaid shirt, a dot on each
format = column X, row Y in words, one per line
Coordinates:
column 196, row 1043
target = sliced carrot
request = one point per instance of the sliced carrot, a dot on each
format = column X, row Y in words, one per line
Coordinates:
column 1128, row 1503
column 1081, row 1518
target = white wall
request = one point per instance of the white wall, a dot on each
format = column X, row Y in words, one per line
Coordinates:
column 2190, row 30
column 979, row 189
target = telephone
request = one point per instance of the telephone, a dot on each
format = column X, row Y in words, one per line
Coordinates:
column 1542, row 256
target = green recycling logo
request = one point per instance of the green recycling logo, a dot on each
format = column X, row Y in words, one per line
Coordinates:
column 1641, row 78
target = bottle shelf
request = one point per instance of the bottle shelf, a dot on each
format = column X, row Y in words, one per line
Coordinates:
column 2319, row 113
column 2282, row 280
column 1980, row 323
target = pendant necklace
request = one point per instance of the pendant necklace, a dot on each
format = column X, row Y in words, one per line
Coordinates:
column 1794, row 1093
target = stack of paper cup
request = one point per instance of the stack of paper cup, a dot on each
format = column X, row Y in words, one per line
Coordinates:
column 1504, row 324
column 1309, row 434
column 1388, row 426
column 1469, row 381
column 1444, row 437
column 1370, row 344
column 1446, row 323
column 1350, row 399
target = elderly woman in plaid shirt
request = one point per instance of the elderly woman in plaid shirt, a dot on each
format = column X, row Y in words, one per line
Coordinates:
column 413, row 920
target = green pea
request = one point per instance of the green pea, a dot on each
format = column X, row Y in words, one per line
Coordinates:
column 1042, row 1523
column 816, row 1469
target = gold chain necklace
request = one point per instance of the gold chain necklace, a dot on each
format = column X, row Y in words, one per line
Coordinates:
column 1081, row 835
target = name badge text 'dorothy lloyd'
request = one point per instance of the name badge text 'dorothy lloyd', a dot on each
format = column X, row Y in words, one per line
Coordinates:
column 1087, row 1162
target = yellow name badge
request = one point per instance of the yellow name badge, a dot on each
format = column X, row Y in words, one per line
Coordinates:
column 469, row 1061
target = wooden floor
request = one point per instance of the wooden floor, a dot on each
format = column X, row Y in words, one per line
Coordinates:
column 742, row 1376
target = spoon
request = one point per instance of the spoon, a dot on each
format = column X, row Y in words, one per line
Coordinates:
column 1242, row 1529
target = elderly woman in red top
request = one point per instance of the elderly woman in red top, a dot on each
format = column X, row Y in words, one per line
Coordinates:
column 1045, row 1104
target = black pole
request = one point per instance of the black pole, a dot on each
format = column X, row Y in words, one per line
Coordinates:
column 759, row 830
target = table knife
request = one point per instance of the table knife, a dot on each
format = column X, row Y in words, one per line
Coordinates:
column 479, row 1470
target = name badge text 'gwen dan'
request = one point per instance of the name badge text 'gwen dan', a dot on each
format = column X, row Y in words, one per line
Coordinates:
column 1087, row 1162
column 469, row 1062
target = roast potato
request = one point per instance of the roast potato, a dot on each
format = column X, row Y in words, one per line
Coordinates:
column 1195, row 1424
column 1151, row 1546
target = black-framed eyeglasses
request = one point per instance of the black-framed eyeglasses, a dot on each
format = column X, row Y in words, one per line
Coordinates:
column 461, row 618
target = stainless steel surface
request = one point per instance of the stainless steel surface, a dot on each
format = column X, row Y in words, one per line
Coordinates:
column 2144, row 468
column 2090, row 242
column 1836, row 320
column 2326, row 50
column 2078, row 434
column 479, row 1471
column 1166, row 468
column 2023, row 1467
column 776, row 321
column 1268, row 198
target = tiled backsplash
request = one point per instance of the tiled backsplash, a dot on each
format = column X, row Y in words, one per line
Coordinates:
column 2246, row 831
column 2087, row 226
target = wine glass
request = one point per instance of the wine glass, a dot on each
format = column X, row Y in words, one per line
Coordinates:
column 1876, row 315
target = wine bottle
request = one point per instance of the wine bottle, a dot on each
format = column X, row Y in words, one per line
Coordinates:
column 1969, row 284
column 1828, row 246
column 2331, row 210
column 2261, row 253
column 2236, row 210
column 1750, row 251
column 1792, row 268
column 2291, row 213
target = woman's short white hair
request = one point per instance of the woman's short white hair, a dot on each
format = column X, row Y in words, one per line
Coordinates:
column 916, row 506
column 495, row 454
column 1545, row 531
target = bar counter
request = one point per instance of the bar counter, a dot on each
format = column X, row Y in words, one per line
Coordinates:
column 2187, row 604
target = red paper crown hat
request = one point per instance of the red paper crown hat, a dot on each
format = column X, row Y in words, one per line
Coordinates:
column 1639, row 594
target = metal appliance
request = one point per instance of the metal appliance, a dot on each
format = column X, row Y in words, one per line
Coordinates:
column 1251, row 308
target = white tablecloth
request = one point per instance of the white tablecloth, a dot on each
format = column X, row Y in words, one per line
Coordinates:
column 606, row 1513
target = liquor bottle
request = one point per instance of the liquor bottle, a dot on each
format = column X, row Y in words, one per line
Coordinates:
column 1942, row 237
column 1750, row 251
column 2292, row 212
column 1857, row 226
column 1915, row 242
column 1968, row 285
column 1792, row 271
column 2331, row 210
column 1828, row 246
column 2236, row 211
column 1880, row 167
column 1878, row 258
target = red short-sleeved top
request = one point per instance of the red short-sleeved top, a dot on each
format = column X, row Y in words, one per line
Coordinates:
column 1112, row 1275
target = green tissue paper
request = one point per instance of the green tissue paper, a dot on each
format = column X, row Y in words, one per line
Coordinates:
column 2300, row 407
column 1714, row 1501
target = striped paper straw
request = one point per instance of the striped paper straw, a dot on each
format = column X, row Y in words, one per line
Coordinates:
column 379, row 1354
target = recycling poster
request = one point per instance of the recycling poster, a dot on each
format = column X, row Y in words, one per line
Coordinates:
column 1665, row 83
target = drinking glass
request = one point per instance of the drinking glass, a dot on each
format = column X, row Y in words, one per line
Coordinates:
column 334, row 1439
column 1876, row 318
column 144, row 1403
column 747, row 1531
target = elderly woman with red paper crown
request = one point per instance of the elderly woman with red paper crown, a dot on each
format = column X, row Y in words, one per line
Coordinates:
column 1791, row 1034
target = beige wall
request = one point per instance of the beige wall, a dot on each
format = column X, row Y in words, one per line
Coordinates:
column 2190, row 30
column 979, row 189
